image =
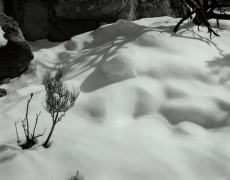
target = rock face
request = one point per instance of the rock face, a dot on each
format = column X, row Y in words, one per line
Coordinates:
column 16, row 55
column 58, row 20
column 66, row 28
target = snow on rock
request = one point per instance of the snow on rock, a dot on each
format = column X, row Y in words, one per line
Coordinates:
column 153, row 105
column 3, row 41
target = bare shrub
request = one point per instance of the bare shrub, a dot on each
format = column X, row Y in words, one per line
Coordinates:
column 31, row 138
column 59, row 99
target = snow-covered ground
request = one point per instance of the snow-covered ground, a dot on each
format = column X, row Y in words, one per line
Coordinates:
column 153, row 105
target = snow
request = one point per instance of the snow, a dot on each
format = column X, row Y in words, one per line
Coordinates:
column 152, row 105
column 3, row 41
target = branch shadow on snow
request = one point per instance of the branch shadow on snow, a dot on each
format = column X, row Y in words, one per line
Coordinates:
column 104, row 45
column 220, row 67
column 189, row 27
column 137, row 31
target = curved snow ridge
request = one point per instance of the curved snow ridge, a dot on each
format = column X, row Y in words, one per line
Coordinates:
column 126, row 101
column 131, row 99
column 132, row 63
column 126, row 28
column 120, row 67
column 202, row 111
column 93, row 108
column 152, row 39
column 204, row 104
column 8, row 152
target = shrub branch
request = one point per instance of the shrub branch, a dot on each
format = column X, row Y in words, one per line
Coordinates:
column 58, row 99
column 15, row 123
column 31, row 139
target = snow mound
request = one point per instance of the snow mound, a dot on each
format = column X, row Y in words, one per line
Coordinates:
column 204, row 111
column 124, row 28
column 149, row 39
column 8, row 152
column 120, row 67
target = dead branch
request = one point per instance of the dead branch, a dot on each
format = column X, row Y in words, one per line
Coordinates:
column 15, row 123
column 182, row 20
column 220, row 16
column 204, row 12
column 36, row 121
column 200, row 14
column 24, row 127
column 26, row 118
column 40, row 134
column 31, row 139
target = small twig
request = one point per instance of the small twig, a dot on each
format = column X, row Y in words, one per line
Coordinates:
column 15, row 123
column 40, row 134
column 60, row 118
column 36, row 122
column 26, row 118
column 210, row 30
column 24, row 127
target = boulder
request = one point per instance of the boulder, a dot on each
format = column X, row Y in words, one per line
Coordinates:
column 16, row 55
column 59, row 20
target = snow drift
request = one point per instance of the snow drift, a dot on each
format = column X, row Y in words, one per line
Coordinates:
column 152, row 105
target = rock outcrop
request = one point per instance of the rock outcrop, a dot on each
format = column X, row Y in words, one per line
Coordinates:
column 59, row 20
column 16, row 55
